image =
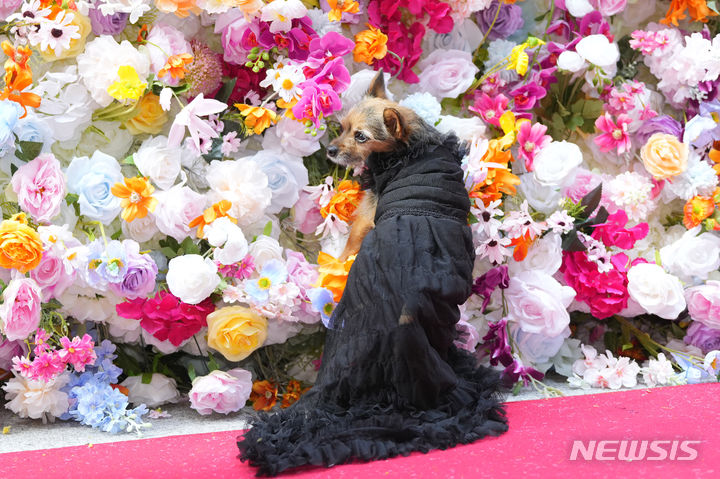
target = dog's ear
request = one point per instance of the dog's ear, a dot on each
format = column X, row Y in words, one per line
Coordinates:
column 395, row 124
column 377, row 86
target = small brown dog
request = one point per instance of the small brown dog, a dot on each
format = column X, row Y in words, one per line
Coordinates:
column 376, row 124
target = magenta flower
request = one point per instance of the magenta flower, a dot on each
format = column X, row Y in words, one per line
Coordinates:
column 518, row 371
column 327, row 48
column 497, row 344
column 614, row 135
column 78, row 352
column 531, row 139
column 41, row 338
column 605, row 293
column 46, row 366
column 613, row 232
column 334, row 74
column 490, row 109
column 486, row 284
column 526, row 96
column 316, row 102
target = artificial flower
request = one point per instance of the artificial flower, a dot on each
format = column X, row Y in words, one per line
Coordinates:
column 137, row 200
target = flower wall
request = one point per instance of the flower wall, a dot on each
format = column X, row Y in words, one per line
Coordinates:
column 171, row 224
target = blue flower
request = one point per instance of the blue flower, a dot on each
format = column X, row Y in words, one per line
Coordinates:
column 107, row 263
column 91, row 179
column 8, row 119
column 273, row 273
column 425, row 105
column 321, row 301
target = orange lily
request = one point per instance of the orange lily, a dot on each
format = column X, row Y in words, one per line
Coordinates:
column 263, row 395
column 521, row 245
column 218, row 210
column 333, row 273
column 699, row 11
column 137, row 199
column 498, row 181
column 18, row 76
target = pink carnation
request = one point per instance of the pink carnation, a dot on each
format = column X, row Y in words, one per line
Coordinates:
column 20, row 310
column 220, row 391
column 605, row 293
column 40, row 187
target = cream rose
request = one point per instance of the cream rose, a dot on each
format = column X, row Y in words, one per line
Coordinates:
column 656, row 291
column 664, row 156
column 192, row 278
column 236, row 331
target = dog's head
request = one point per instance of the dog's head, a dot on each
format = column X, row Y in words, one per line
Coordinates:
column 376, row 124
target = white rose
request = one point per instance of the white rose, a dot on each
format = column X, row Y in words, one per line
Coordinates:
column 537, row 349
column 228, row 239
column 177, row 207
column 289, row 136
column 243, row 184
column 192, row 278
column 140, row 229
column 693, row 256
column 578, row 8
column 158, row 162
column 465, row 36
column 465, row 128
column 598, row 50
column 106, row 136
column 656, row 291
column 554, row 164
column 538, row 303
column 263, row 249
column 286, row 176
column 544, row 255
column 541, row 197
column 160, row 390
column 447, row 73
column 570, row 61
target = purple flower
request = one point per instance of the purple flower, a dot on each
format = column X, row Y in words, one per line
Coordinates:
column 703, row 337
column 659, row 124
column 10, row 349
column 496, row 344
column 526, row 96
column 139, row 280
column 594, row 23
column 467, row 336
column 486, row 284
column 107, row 24
column 509, row 20
column 517, row 371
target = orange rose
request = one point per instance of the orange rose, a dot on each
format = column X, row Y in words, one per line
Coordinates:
column 370, row 45
column 345, row 201
column 20, row 245
column 664, row 156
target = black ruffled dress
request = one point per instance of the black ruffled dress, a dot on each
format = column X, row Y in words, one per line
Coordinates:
column 391, row 380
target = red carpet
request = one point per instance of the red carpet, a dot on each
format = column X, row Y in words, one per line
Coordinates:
column 539, row 444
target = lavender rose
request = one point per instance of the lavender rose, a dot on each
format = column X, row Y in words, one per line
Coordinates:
column 139, row 280
column 107, row 24
column 508, row 21
column 659, row 124
column 703, row 337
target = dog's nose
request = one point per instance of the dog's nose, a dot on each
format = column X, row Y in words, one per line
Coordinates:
column 332, row 151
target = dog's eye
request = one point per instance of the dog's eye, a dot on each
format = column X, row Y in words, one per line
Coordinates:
column 360, row 137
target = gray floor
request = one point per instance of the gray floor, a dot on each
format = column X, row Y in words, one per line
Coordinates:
column 27, row 434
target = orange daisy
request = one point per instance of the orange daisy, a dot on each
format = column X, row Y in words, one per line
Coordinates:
column 338, row 7
column 175, row 66
column 218, row 210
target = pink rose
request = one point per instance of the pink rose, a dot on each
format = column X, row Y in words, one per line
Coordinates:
column 704, row 303
column 234, row 29
column 221, row 391
column 447, row 73
column 53, row 275
column 40, row 187
column 20, row 310
column 307, row 214
column 7, row 7
column 177, row 207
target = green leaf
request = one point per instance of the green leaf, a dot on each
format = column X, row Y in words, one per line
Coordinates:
column 592, row 109
column 516, row 389
column 472, row 219
column 189, row 247
column 13, row 169
column 147, row 378
column 168, row 252
column 71, row 198
column 212, row 363
column 28, row 150
column 116, row 235
column 571, row 242
column 268, row 229
column 712, row 5
column 191, row 372
column 130, row 160
column 627, row 346
column 226, row 90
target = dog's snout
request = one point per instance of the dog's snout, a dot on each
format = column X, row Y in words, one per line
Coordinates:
column 332, row 151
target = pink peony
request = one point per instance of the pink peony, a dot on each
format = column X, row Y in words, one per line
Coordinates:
column 20, row 310
column 307, row 214
column 53, row 275
column 605, row 293
column 220, row 391
column 704, row 303
column 40, row 187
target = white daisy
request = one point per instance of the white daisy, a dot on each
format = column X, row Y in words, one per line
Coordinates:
column 57, row 34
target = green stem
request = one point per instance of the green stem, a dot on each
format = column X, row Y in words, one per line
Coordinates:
column 497, row 14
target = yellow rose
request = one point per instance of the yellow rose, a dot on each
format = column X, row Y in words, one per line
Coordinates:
column 77, row 45
column 664, row 156
column 236, row 331
column 150, row 117
column 20, row 245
